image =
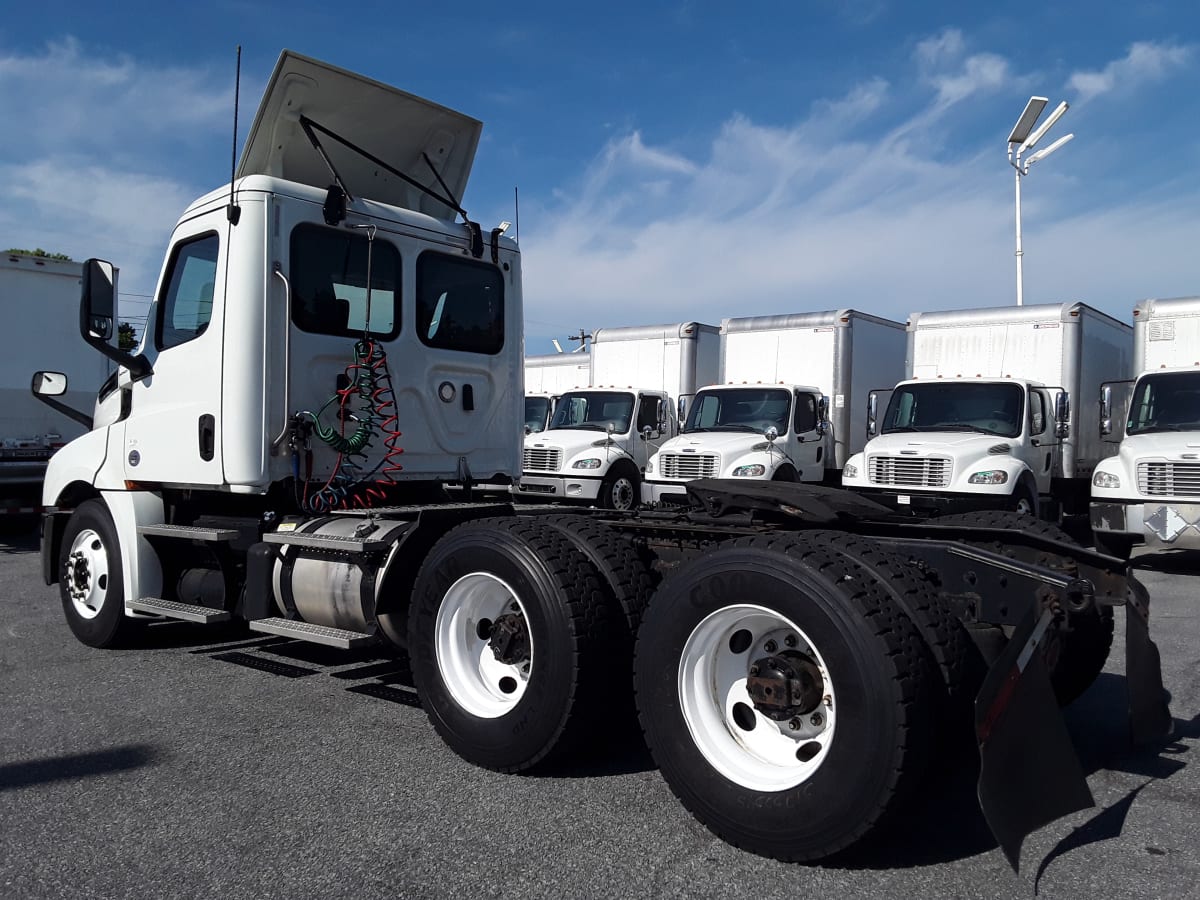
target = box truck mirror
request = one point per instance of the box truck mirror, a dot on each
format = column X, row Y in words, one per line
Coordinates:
column 1106, row 409
column 823, row 415
column 1062, row 415
column 872, row 414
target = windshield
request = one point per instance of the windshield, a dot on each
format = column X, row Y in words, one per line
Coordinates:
column 594, row 410
column 740, row 409
column 986, row 407
column 537, row 413
column 1166, row 402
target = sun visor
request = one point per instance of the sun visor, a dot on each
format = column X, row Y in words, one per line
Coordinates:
column 390, row 124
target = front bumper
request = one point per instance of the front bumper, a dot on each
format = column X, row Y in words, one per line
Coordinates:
column 561, row 487
column 672, row 493
column 1157, row 523
column 923, row 504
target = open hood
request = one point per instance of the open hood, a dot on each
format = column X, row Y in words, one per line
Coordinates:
column 388, row 123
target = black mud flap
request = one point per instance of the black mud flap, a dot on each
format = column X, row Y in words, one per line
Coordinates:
column 1029, row 774
column 1149, row 717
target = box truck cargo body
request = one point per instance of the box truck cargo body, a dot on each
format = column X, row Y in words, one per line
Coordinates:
column 998, row 410
column 546, row 377
column 1149, row 492
column 601, row 437
column 797, row 375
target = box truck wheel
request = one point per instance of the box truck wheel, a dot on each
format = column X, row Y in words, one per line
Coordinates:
column 784, row 695
column 90, row 579
column 507, row 628
column 1025, row 499
column 1084, row 649
column 621, row 489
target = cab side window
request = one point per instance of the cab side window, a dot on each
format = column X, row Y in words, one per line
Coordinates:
column 649, row 412
column 806, row 413
column 1037, row 412
column 185, row 307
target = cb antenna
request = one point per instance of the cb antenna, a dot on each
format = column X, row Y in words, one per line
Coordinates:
column 516, row 215
column 233, row 212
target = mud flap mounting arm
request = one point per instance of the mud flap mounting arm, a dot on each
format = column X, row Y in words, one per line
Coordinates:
column 1029, row 774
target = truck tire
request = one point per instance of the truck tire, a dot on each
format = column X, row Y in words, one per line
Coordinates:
column 1025, row 500
column 799, row 778
column 507, row 628
column 1084, row 649
column 621, row 490
column 958, row 659
column 91, row 582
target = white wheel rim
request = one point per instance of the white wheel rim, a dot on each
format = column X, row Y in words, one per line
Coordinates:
column 479, row 682
column 87, row 573
column 770, row 755
column 622, row 493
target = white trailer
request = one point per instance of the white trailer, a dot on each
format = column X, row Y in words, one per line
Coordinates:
column 996, row 411
column 40, row 297
column 792, row 379
column 328, row 345
column 641, row 377
column 1149, row 492
column 546, row 377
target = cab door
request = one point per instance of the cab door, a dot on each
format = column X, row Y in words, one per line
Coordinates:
column 1044, row 445
column 808, row 444
column 652, row 413
column 172, row 434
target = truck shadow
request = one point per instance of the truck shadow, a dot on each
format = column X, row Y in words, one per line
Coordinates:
column 18, row 535
column 74, row 766
column 1169, row 562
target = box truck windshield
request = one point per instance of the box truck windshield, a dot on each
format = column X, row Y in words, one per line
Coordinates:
column 594, row 410
column 1166, row 402
column 741, row 409
column 987, row 407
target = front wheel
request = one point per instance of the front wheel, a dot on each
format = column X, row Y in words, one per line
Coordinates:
column 620, row 490
column 90, row 578
column 784, row 696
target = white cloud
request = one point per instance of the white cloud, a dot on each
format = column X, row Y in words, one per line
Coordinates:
column 944, row 64
column 1145, row 62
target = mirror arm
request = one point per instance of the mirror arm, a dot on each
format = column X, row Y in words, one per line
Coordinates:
column 69, row 411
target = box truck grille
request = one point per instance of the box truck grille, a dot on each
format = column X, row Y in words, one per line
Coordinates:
column 689, row 465
column 1162, row 479
column 911, row 471
column 541, row 459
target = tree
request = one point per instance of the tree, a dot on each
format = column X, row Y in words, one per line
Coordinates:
column 126, row 336
column 40, row 253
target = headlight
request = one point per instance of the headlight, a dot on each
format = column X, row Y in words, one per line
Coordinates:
column 850, row 471
column 751, row 471
column 592, row 463
column 991, row 476
column 1106, row 480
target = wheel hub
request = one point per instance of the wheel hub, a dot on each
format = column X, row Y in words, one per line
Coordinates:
column 78, row 575
column 785, row 685
column 509, row 639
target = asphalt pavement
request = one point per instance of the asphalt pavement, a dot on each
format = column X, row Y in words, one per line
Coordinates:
column 223, row 763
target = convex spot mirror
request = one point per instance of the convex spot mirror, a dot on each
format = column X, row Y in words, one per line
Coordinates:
column 49, row 384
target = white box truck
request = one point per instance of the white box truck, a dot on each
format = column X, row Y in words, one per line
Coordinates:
column 1149, row 492
column 546, row 377
column 997, row 411
column 253, row 474
column 785, row 408
column 600, row 438
column 41, row 301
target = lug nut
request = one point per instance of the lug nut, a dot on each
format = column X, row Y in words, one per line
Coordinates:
column 816, row 720
column 795, row 724
column 770, row 646
column 754, row 670
column 790, row 640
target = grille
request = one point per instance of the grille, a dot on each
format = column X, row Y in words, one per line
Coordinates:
column 911, row 471
column 689, row 465
column 542, row 459
column 1163, row 479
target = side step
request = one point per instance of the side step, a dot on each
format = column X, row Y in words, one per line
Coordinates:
column 189, row 533
column 188, row 612
column 317, row 634
column 332, row 542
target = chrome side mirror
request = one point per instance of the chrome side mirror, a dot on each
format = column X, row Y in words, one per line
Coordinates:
column 1106, row 410
column 771, row 434
column 823, row 416
column 1062, row 415
column 872, row 414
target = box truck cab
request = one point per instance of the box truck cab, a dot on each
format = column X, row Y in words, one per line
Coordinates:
column 1149, row 492
column 988, row 416
column 785, row 409
column 602, row 436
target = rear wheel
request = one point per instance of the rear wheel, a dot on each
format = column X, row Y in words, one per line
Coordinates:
column 90, row 578
column 506, row 627
column 784, row 696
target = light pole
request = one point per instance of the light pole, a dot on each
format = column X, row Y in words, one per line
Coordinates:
column 1020, row 142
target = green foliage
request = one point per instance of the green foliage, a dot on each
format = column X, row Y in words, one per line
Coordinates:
column 126, row 336
column 39, row 252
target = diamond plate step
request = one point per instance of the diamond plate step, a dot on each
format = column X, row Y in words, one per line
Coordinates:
column 341, row 544
column 317, row 634
column 188, row 533
column 188, row 612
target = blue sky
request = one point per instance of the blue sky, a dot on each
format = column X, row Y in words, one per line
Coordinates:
column 676, row 161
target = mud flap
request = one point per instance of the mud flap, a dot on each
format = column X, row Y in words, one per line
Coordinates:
column 1149, row 718
column 1029, row 774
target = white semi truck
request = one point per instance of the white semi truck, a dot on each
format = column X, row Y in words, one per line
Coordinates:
column 784, row 409
column 327, row 346
column 997, row 411
column 601, row 436
column 1149, row 492
column 40, row 297
column 546, row 377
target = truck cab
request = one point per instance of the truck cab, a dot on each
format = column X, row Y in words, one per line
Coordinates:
column 597, row 446
column 957, row 444
column 1149, row 493
column 763, row 432
column 538, row 410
